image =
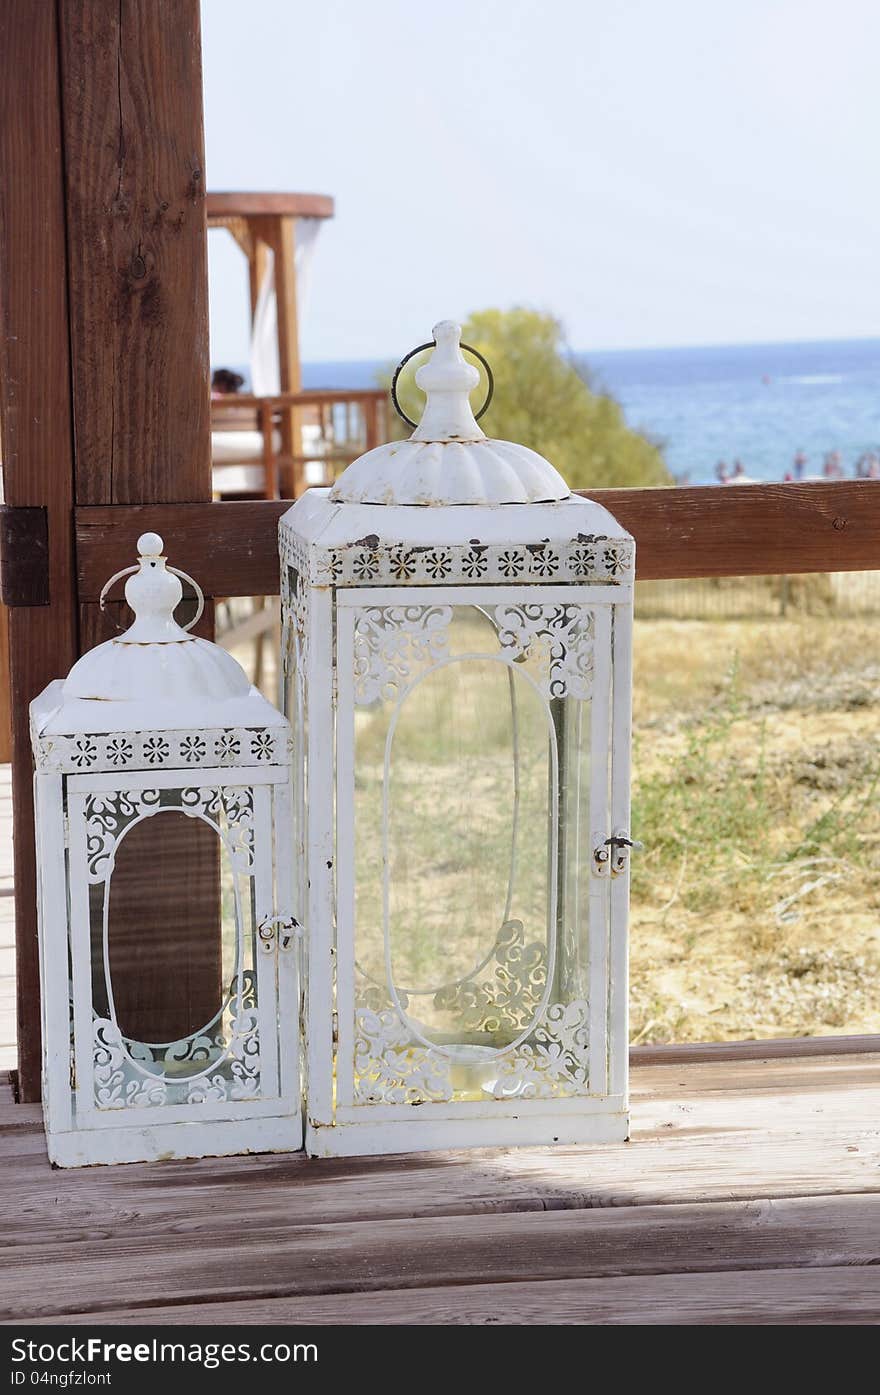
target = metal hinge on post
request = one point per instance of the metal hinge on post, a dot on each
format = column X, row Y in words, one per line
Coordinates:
column 24, row 556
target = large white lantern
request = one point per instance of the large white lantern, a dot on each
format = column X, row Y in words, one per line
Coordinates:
column 168, row 950
column 457, row 654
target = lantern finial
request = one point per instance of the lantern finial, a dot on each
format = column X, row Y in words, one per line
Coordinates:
column 154, row 593
column 448, row 459
column 150, row 545
column 448, row 380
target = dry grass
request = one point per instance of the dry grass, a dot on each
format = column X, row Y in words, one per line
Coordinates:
column 755, row 905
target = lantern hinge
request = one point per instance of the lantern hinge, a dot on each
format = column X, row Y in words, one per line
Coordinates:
column 611, row 855
column 24, row 556
column 66, row 830
column 284, row 930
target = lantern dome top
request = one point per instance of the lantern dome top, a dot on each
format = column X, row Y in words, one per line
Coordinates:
column 154, row 675
column 449, row 459
column 155, row 658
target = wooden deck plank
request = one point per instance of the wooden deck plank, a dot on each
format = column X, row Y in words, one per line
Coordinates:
column 233, row 1263
column 728, row 1142
column 766, row 1297
column 763, row 1049
column 762, row 1175
column 802, row 1076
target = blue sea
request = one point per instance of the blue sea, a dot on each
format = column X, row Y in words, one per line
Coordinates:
column 759, row 403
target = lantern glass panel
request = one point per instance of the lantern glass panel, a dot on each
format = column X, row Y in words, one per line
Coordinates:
column 192, row 1022
column 473, row 930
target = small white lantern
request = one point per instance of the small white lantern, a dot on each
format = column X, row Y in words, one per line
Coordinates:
column 457, row 656
column 163, row 788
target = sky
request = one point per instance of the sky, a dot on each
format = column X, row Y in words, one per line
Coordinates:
column 652, row 172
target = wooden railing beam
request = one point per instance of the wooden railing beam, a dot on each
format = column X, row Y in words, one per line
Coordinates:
column 748, row 530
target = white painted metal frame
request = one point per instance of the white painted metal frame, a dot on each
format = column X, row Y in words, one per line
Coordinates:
column 78, row 1131
column 335, row 1124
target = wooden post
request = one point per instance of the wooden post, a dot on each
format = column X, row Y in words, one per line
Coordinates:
column 103, row 285
column 281, row 233
column 134, row 165
column 256, row 268
column 137, row 255
column 5, row 709
column 36, row 418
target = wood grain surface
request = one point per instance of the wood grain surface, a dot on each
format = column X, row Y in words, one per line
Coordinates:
column 737, row 531
column 241, row 203
column 824, row 1297
column 759, row 1178
column 135, row 182
column 36, row 416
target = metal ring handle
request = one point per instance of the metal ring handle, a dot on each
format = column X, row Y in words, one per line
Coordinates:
column 200, row 596
column 432, row 344
column 184, row 576
column 117, row 576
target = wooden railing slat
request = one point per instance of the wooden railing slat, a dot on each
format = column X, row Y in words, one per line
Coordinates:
column 744, row 530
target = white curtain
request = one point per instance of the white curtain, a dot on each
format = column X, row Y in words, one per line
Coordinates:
column 265, row 372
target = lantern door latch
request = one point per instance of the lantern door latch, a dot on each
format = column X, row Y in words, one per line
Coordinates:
column 611, row 855
column 283, row 930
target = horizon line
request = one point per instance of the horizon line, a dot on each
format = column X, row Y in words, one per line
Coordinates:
column 659, row 348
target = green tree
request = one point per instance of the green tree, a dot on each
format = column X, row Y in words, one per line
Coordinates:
column 544, row 399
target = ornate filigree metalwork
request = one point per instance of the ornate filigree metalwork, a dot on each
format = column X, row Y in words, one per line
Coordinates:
column 109, row 814
column 558, row 637
column 391, row 644
column 511, row 996
column 390, row 1068
column 203, row 1067
column 294, row 633
column 554, row 1061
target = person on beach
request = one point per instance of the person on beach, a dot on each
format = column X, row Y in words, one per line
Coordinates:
column 224, row 382
column 799, row 465
column 721, row 472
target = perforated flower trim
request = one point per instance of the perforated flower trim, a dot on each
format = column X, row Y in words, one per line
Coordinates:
column 192, row 749
column 403, row 564
column 614, row 560
column 119, row 750
column 227, row 747
column 474, row 563
column 262, row 745
column 543, row 561
column 156, row 750
column 84, row 751
column 438, row 564
column 583, row 561
column 366, row 565
column 510, row 563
